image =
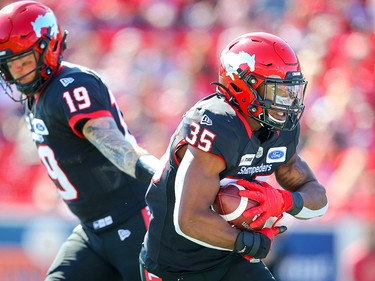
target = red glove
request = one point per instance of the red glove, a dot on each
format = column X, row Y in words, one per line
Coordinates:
column 272, row 202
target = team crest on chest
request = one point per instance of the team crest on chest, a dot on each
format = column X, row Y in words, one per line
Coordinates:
column 259, row 152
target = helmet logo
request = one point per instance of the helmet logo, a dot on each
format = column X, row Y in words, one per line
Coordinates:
column 232, row 62
column 47, row 21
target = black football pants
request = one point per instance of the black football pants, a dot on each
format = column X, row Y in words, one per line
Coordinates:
column 105, row 256
column 238, row 269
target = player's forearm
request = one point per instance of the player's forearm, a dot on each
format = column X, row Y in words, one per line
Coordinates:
column 208, row 230
column 296, row 176
column 105, row 136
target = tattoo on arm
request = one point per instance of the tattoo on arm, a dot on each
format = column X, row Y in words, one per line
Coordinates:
column 294, row 173
column 108, row 139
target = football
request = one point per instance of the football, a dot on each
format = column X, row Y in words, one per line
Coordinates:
column 230, row 206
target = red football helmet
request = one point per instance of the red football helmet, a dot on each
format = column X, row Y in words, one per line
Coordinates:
column 28, row 27
column 259, row 73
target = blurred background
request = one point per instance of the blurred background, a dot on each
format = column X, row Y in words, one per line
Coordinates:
column 159, row 57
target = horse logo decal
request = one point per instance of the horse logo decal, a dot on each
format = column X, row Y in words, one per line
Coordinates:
column 47, row 21
column 232, row 62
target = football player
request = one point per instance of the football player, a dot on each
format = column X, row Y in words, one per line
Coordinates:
column 244, row 132
column 83, row 141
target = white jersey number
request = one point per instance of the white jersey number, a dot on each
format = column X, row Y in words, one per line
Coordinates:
column 66, row 189
column 203, row 140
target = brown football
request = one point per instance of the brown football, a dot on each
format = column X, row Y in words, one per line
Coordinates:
column 231, row 206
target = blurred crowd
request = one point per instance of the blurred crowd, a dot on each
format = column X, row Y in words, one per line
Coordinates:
column 159, row 57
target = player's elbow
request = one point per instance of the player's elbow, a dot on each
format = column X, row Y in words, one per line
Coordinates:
column 187, row 224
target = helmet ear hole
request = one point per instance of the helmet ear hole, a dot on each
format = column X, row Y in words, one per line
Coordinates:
column 55, row 47
column 236, row 88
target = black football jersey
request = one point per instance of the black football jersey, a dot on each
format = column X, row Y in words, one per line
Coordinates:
column 95, row 190
column 216, row 127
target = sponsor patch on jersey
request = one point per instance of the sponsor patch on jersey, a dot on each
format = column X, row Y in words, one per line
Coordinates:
column 276, row 154
column 39, row 127
column 206, row 120
column 123, row 234
column 66, row 81
column 247, row 160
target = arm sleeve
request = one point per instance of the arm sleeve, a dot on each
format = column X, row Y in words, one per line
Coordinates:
column 146, row 167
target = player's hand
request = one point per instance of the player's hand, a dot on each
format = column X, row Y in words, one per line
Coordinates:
column 257, row 244
column 272, row 202
column 271, row 232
